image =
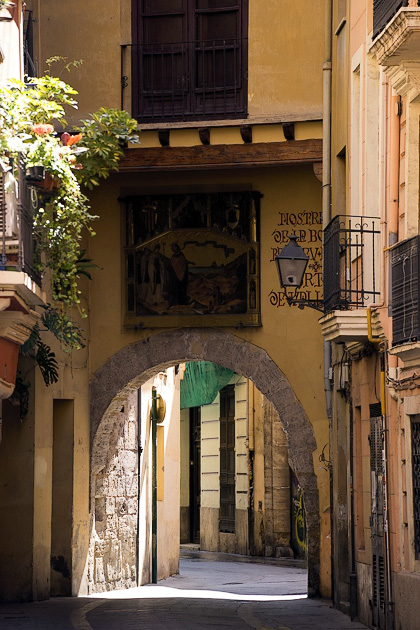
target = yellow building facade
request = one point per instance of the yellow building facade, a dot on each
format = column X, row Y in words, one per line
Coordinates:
column 229, row 102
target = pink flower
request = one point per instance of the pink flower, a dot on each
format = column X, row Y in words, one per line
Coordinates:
column 42, row 128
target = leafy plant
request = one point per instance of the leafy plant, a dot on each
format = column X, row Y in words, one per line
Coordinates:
column 67, row 65
column 28, row 112
column 104, row 134
column 20, row 396
column 64, row 329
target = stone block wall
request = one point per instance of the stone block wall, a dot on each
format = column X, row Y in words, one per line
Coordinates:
column 116, row 507
column 277, row 485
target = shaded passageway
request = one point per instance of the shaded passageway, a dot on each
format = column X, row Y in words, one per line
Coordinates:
column 212, row 591
column 231, row 518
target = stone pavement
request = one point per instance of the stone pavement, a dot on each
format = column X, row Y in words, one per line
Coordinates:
column 213, row 591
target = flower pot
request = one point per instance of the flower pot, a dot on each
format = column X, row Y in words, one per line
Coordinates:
column 9, row 352
column 50, row 184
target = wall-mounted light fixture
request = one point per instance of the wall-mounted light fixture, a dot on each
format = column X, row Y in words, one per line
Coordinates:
column 291, row 266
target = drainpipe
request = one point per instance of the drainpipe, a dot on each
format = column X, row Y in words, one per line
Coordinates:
column 389, row 611
column 394, row 169
column 326, row 217
column 392, row 217
column 154, row 418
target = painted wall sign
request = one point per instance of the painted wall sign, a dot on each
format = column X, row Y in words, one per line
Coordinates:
column 194, row 258
column 307, row 225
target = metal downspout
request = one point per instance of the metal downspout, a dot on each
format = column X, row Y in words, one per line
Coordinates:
column 389, row 611
column 326, row 217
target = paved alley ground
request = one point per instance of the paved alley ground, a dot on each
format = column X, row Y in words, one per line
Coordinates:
column 213, row 591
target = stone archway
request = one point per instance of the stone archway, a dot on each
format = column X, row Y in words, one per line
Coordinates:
column 133, row 365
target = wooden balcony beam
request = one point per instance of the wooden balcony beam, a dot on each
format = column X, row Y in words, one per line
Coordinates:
column 222, row 156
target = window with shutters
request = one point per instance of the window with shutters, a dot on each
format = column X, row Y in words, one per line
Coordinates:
column 383, row 12
column 189, row 59
column 405, row 291
column 227, row 459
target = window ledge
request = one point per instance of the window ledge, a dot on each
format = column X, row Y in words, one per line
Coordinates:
column 350, row 326
column 16, row 326
column 408, row 352
column 343, row 326
column 20, row 283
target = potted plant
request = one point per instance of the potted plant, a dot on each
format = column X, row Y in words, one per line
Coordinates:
column 62, row 164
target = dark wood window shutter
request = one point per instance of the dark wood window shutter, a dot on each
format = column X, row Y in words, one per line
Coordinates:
column 189, row 59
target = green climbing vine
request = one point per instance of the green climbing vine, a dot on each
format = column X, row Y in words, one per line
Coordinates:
column 32, row 117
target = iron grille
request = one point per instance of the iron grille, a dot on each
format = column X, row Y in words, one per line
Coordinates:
column 350, row 244
column 17, row 246
column 374, row 580
column 383, row 12
column 405, row 291
column 189, row 80
column 415, row 458
column 227, row 460
column 376, row 445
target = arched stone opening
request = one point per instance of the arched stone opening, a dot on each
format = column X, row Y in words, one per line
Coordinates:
column 133, row 365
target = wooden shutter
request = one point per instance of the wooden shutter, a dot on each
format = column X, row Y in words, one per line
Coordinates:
column 405, row 291
column 189, row 59
column 227, row 459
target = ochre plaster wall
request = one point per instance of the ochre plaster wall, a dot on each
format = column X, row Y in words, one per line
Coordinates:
column 291, row 337
column 286, row 84
column 280, row 62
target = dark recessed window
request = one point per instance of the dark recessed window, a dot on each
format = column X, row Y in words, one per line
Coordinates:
column 415, row 463
column 227, row 459
column 189, row 59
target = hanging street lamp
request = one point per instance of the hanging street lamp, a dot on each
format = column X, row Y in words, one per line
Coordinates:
column 291, row 265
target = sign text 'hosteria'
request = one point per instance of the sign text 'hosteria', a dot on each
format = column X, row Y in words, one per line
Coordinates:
column 307, row 225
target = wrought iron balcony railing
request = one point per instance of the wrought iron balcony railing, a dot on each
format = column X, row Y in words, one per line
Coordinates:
column 16, row 225
column 189, row 80
column 384, row 11
column 350, row 246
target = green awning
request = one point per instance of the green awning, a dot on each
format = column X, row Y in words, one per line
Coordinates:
column 202, row 382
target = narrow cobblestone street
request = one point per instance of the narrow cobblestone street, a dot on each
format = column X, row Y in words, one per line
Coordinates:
column 212, row 591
